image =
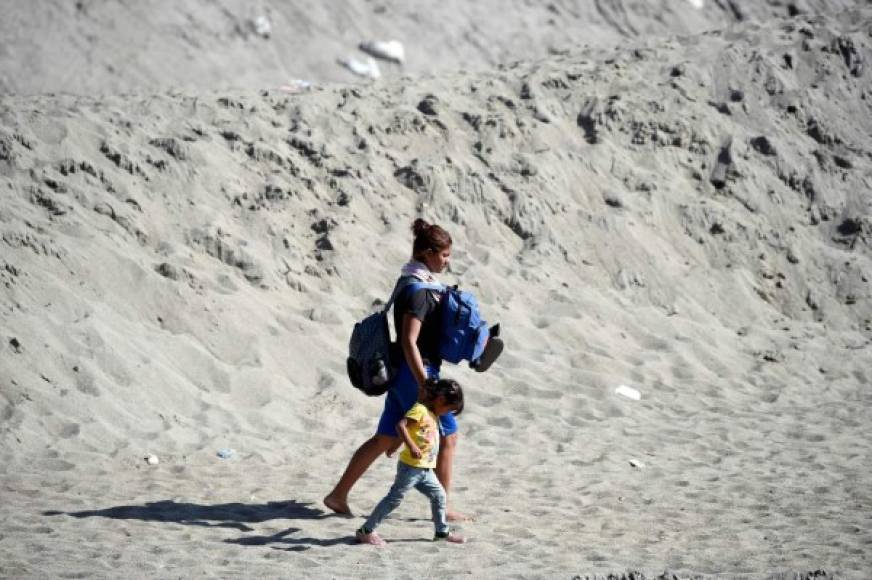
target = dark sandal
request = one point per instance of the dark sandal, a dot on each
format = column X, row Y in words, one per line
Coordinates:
column 492, row 351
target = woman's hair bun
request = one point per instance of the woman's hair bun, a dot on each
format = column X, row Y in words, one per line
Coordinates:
column 428, row 238
column 420, row 226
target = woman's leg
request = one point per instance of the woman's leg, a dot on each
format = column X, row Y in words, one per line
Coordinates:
column 444, row 471
column 429, row 485
column 337, row 500
column 398, row 400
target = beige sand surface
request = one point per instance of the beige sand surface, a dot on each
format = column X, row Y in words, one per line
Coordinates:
column 687, row 216
column 103, row 47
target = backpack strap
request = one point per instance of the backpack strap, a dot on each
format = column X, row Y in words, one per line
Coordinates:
column 410, row 281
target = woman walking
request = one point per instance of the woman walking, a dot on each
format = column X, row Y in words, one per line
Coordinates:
column 417, row 325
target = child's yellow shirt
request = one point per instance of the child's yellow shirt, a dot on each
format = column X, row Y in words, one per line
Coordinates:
column 425, row 433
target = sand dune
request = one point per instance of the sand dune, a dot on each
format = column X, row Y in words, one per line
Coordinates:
column 687, row 216
column 95, row 47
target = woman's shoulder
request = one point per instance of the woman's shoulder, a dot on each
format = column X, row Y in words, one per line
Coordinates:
column 424, row 297
column 419, row 292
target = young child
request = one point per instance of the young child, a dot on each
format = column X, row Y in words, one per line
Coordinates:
column 419, row 430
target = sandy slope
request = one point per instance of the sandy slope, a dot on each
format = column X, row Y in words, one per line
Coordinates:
column 101, row 47
column 689, row 217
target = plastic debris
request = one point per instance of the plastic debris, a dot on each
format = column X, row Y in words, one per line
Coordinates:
column 628, row 392
column 389, row 50
column 696, row 3
column 262, row 26
column 152, row 460
column 368, row 68
column 296, row 86
column 637, row 464
column 226, row 453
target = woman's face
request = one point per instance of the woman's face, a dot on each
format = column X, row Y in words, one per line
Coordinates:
column 437, row 260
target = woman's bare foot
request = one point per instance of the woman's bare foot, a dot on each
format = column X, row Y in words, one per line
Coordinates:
column 451, row 538
column 340, row 506
column 453, row 516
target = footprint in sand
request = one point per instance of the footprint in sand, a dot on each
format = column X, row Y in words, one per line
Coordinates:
column 86, row 383
column 542, row 323
column 69, row 430
column 55, row 465
column 500, row 422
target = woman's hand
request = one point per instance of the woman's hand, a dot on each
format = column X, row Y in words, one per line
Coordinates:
column 389, row 452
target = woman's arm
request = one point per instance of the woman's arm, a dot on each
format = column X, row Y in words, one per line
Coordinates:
column 409, row 343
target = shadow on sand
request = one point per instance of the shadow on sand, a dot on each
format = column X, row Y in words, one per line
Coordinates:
column 283, row 541
column 234, row 516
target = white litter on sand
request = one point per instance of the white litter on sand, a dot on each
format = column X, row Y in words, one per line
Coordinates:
column 262, row 26
column 628, row 392
column 390, row 50
column 296, row 86
column 637, row 464
column 152, row 460
column 696, row 3
column 368, row 68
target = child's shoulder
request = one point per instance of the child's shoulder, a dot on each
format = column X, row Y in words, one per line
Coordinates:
column 417, row 412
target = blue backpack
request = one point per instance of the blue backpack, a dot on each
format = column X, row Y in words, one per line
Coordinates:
column 464, row 332
column 370, row 364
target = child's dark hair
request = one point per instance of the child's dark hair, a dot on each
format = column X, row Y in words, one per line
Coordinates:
column 447, row 388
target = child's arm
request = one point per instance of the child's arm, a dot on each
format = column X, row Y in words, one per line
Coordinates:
column 407, row 439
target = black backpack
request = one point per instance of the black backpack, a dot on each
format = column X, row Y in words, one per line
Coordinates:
column 370, row 365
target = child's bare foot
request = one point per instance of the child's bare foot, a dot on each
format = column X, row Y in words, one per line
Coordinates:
column 371, row 538
column 340, row 506
column 450, row 537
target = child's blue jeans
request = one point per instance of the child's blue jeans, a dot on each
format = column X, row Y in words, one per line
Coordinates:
column 425, row 481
